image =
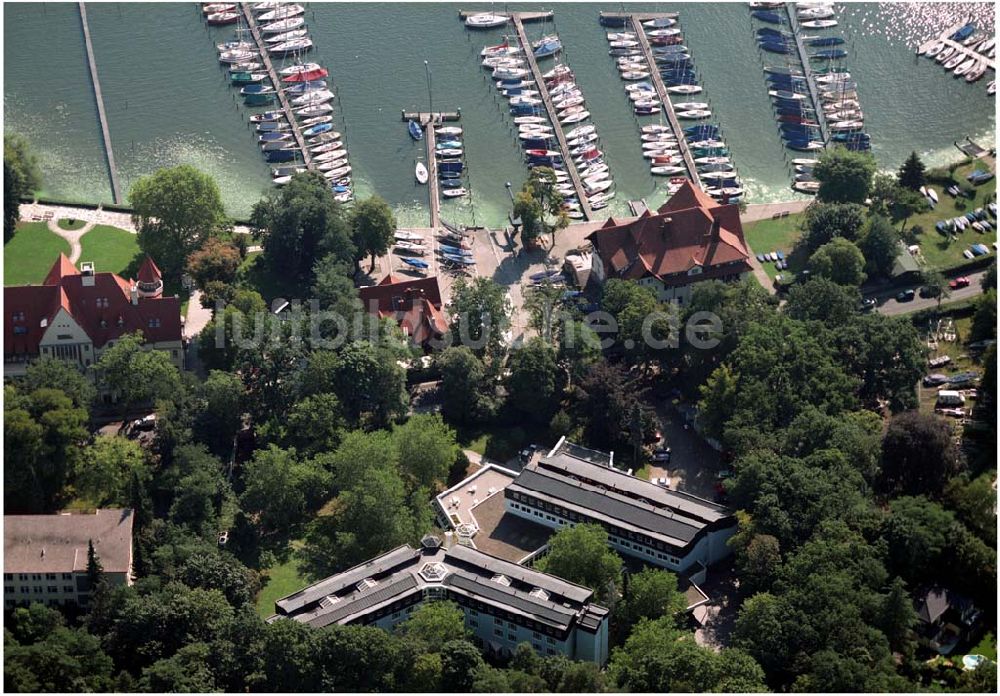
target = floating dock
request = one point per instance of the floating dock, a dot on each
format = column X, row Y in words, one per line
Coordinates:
column 543, row 91
column 793, row 24
column 641, row 16
column 101, row 115
column 661, row 91
column 425, row 117
column 286, row 105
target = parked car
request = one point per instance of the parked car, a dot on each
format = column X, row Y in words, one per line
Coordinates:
column 661, row 482
column 724, row 474
column 868, row 304
column 906, row 295
column 960, row 282
column 929, row 291
column 144, row 424
column 963, row 379
column 661, row 454
column 935, row 379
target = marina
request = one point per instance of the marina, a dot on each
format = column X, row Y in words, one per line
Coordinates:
column 265, row 57
column 964, row 52
column 204, row 127
column 636, row 21
column 546, row 97
column 807, row 72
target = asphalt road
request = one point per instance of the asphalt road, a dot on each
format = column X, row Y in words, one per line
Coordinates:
column 889, row 305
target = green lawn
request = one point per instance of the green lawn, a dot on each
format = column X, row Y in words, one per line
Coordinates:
column 774, row 235
column 281, row 580
column 111, row 249
column 30, row 254
column 68, row 224
column 939, row 251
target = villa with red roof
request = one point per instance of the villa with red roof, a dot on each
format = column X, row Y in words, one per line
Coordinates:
column 415, row 304
column 690, row 238
column 74, row 315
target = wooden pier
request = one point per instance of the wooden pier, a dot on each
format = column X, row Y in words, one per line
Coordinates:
column 817, row 103
column 543, row 91
column 641, row 16
column 965, row 50
column 101, row 115
column 286, row 105
column 430, row 137
column 668, row 106
column 425, row 117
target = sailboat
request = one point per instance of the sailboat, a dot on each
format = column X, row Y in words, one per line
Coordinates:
column 420, row 171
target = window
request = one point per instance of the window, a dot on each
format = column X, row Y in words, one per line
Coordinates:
column 25, row 590
column 37, row 589
column 550, row 640
column 154, row 322
column 512, row 637
column 52, row 589
column 17, row 316
column 67, row 576
column 474, row 623
column 36, row 576
column 50, row 576
column 22, row 576
column 8, row 576
column 102, row 303
column 498, row 632
column 20, row 330
column 68, row 589
column 536, row 635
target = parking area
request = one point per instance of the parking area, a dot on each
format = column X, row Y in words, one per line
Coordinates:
column 694, row 465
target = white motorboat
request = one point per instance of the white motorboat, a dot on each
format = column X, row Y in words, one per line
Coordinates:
column 655, row 128
column 519, row 120
column 965, row 67
column 633, row 75
column 694, row 114
column 689, row 106
column 486, row 20
column 454, row 193
column 954, row 61
column 943, row 55
column 420, row 171
column 806, row 186
column 666, row 171
column 935, row 48
column 449, row 130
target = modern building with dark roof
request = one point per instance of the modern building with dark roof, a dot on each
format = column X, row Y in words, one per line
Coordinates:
column 504, row 603
column 74, row 315
column 45, row 556
column 690, row 238
column 667, row 528
column 415, row 304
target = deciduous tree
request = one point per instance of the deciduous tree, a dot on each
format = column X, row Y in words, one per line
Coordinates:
column 580, row 554
column 840, row 261
column 175, row 210
column 844, row 176
column 918, row 454
column 372, row 228
column 480, row 312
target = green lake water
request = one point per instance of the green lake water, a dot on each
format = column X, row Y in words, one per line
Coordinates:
column 167, row 100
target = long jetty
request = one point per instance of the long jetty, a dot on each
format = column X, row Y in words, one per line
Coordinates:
column 101, row 115
column 543, row 90
column 286, row 105
column 661, row 91
column 432, row 170
column 793, row 23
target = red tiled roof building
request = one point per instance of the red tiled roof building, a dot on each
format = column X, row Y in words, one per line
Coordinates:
column 690, row 238
column 414, row 304
column 75, row 314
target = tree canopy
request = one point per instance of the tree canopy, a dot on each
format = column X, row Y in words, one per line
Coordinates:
column 21, row 177
column 175, row 211
column 373, row 227
column 844, row 176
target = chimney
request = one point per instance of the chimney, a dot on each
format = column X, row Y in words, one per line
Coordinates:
column 716, row 224
column 665, row 228
column 133, row 293
column 87, row 274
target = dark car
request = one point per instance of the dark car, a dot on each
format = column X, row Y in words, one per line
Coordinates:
column 868, row 304
column 935, row 379
column 906, row 295
column 661, row 454
column 929, row 291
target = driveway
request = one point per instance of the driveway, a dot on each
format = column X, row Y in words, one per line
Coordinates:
column 889, row 306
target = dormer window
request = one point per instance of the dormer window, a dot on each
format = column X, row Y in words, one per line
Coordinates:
column 154, row 323
column 102, row 303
